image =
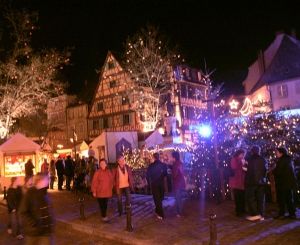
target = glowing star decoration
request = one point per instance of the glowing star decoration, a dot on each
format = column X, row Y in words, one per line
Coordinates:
column 233, row 104
column 247, row 107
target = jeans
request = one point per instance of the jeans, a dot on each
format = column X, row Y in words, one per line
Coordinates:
column 179, row 203
column 125, row 190
column 35, row 240
column 60, row 181
column 52, row 179
column 158, row 194
column 103, row 206
column 285, row 200
column 14, row 223
column 239, row 200
column 255, row 196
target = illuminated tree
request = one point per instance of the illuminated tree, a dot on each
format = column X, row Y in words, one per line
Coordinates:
column 149, row 61
column 27, row 78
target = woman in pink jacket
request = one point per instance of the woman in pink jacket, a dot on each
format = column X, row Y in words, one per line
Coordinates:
column 102, row 185
column 237, row 181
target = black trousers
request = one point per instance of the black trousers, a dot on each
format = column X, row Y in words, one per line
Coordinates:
column 239, row 200
column 103, row 206
column 60, row 181
column 158, row 195
column 285, row 200
column 126, row 191
column 255, row 196
column 68, row 182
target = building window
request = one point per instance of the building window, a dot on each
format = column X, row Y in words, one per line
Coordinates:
column 113, row 84
column 95, row 124
column 100, row 106
column 126, row 119
column 282, row 91
column 105, row 122
column 125, row 100
column 298, row 87
column 110, row 65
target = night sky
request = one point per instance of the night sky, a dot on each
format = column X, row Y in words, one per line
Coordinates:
column 227, row 36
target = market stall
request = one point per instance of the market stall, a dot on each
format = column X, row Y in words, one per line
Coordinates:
column 14, row 153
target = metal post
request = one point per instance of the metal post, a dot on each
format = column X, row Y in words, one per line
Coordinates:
column 4, row 193
column 129, row 227
column 213, row 230
column 81, row 206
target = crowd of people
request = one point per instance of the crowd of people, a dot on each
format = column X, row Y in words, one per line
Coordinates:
column 250, row 179
column 29, row 206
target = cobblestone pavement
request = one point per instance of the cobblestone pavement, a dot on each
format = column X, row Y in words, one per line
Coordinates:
column 192, row 228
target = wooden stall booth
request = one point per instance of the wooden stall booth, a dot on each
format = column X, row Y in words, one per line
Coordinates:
column 14, row 153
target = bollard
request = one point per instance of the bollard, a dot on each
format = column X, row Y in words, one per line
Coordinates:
column 129, row 227
column 81, row 207
column 212, row 230
column 4, row 193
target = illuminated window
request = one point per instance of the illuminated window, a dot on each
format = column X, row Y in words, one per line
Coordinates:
column 100, row 106
column 113, row 84
column 125, row 100
column 282, row 91
column 126, row 119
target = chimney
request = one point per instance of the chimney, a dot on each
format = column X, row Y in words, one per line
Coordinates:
column 279, row 32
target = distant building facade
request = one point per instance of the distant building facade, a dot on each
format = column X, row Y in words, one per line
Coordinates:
column 57, row 120
column 273, row 81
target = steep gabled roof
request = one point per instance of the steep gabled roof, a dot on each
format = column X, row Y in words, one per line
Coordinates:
column 284, row 65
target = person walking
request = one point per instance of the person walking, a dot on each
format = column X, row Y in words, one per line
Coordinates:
column 36, row 213
column 52, row 173
column 60, row 169
column 45, row 167
column 285, row 182
column 28, row 169
column 124, row 184
column 69, row 172
column 102, row 186
column 92, row 166
column 237, row 181
column 255, row 183
column 14, row 197
column 156, row 173
column 178, row 181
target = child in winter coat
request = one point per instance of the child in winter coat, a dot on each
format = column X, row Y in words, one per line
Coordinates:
column 14, row 196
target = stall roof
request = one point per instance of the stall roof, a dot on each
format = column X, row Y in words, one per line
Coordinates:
column 19, row 143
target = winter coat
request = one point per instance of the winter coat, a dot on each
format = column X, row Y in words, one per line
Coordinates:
column 45, row 168
column 156, row 173
column 29, row 169
column 92, row 167
column 284, row 173
column 35, row 213
column 256, row 171
column 13, row 198
column 60, row 167
column 116, row 178
column 69, row 167
column 52, row 170
column 237, row 181
column 177, row 174
column 102, row 183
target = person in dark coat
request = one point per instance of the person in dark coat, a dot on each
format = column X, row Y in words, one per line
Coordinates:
column 255, row 184
column 156, row 173
column 285, row 182
column 60, row 169
column 28, row 169
column 14, row 197
column 69, row 172
column 36, row 213
column 178, row 181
